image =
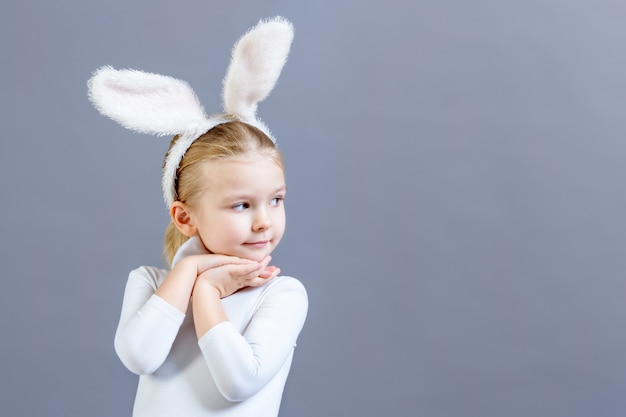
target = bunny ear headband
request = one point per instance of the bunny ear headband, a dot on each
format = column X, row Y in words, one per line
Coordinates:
column 161, row 105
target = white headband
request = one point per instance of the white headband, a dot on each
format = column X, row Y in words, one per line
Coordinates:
column 165, row 106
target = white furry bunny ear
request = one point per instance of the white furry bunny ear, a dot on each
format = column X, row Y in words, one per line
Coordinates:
column 161, row 105
column 147, row 103
column 257, row 60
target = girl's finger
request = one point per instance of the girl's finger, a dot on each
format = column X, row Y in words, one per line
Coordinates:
column 268, row 271
column 262, row 279
column 213, row 261
column 246, row 269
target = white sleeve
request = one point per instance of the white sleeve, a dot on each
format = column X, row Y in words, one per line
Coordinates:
column 148, row 325
column 242, row 364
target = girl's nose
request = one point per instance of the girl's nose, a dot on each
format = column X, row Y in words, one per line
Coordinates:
column 262, row 221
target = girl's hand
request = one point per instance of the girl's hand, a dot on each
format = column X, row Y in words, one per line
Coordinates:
column 228, row 274
column 178, row 286
column 218, row 277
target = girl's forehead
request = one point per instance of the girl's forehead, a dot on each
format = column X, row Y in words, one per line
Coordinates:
column 257, row 159
column 247, row 163
column 224, row 178
column 249, row 158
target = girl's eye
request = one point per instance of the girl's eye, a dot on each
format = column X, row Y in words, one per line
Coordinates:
column 241, row 206
column 276, row 201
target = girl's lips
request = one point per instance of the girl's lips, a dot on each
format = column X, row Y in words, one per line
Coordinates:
column 259, row 244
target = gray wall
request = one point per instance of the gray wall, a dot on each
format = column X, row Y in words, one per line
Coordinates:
column 456, row 196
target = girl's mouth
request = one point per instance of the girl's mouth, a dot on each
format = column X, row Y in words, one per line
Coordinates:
column 258, row 244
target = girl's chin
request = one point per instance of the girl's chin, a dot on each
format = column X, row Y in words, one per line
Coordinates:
column 257, row 257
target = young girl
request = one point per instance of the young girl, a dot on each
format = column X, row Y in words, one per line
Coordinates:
column 214, row 335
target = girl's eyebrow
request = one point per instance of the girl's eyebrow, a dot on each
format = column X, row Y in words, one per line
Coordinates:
column 247, row 196
column 281, row 189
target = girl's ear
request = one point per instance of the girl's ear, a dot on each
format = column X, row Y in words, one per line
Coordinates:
column 179, row 213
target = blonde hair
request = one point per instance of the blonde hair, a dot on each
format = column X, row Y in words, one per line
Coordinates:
column 227, row 140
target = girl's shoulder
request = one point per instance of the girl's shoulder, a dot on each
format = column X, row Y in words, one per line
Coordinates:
column 282, row 288
column 285, row 283
column 278, row 289
column 149, row 275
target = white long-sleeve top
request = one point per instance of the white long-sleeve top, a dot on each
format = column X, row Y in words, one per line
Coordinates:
column 238, row 368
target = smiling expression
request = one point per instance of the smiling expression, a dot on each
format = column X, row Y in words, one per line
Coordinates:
column 241, row 212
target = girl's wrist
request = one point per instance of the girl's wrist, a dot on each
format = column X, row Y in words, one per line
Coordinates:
column 205, row 289
column 187, row 266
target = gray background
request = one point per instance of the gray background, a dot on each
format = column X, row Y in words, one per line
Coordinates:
column 456, row 198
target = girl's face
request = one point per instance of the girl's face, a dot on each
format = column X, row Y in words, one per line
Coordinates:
column 241, row 212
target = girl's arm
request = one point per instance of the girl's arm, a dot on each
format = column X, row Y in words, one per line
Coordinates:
column 242, row 364
column 216, row 283
column 179, row 284
column 151, row 316
column 148, row 324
